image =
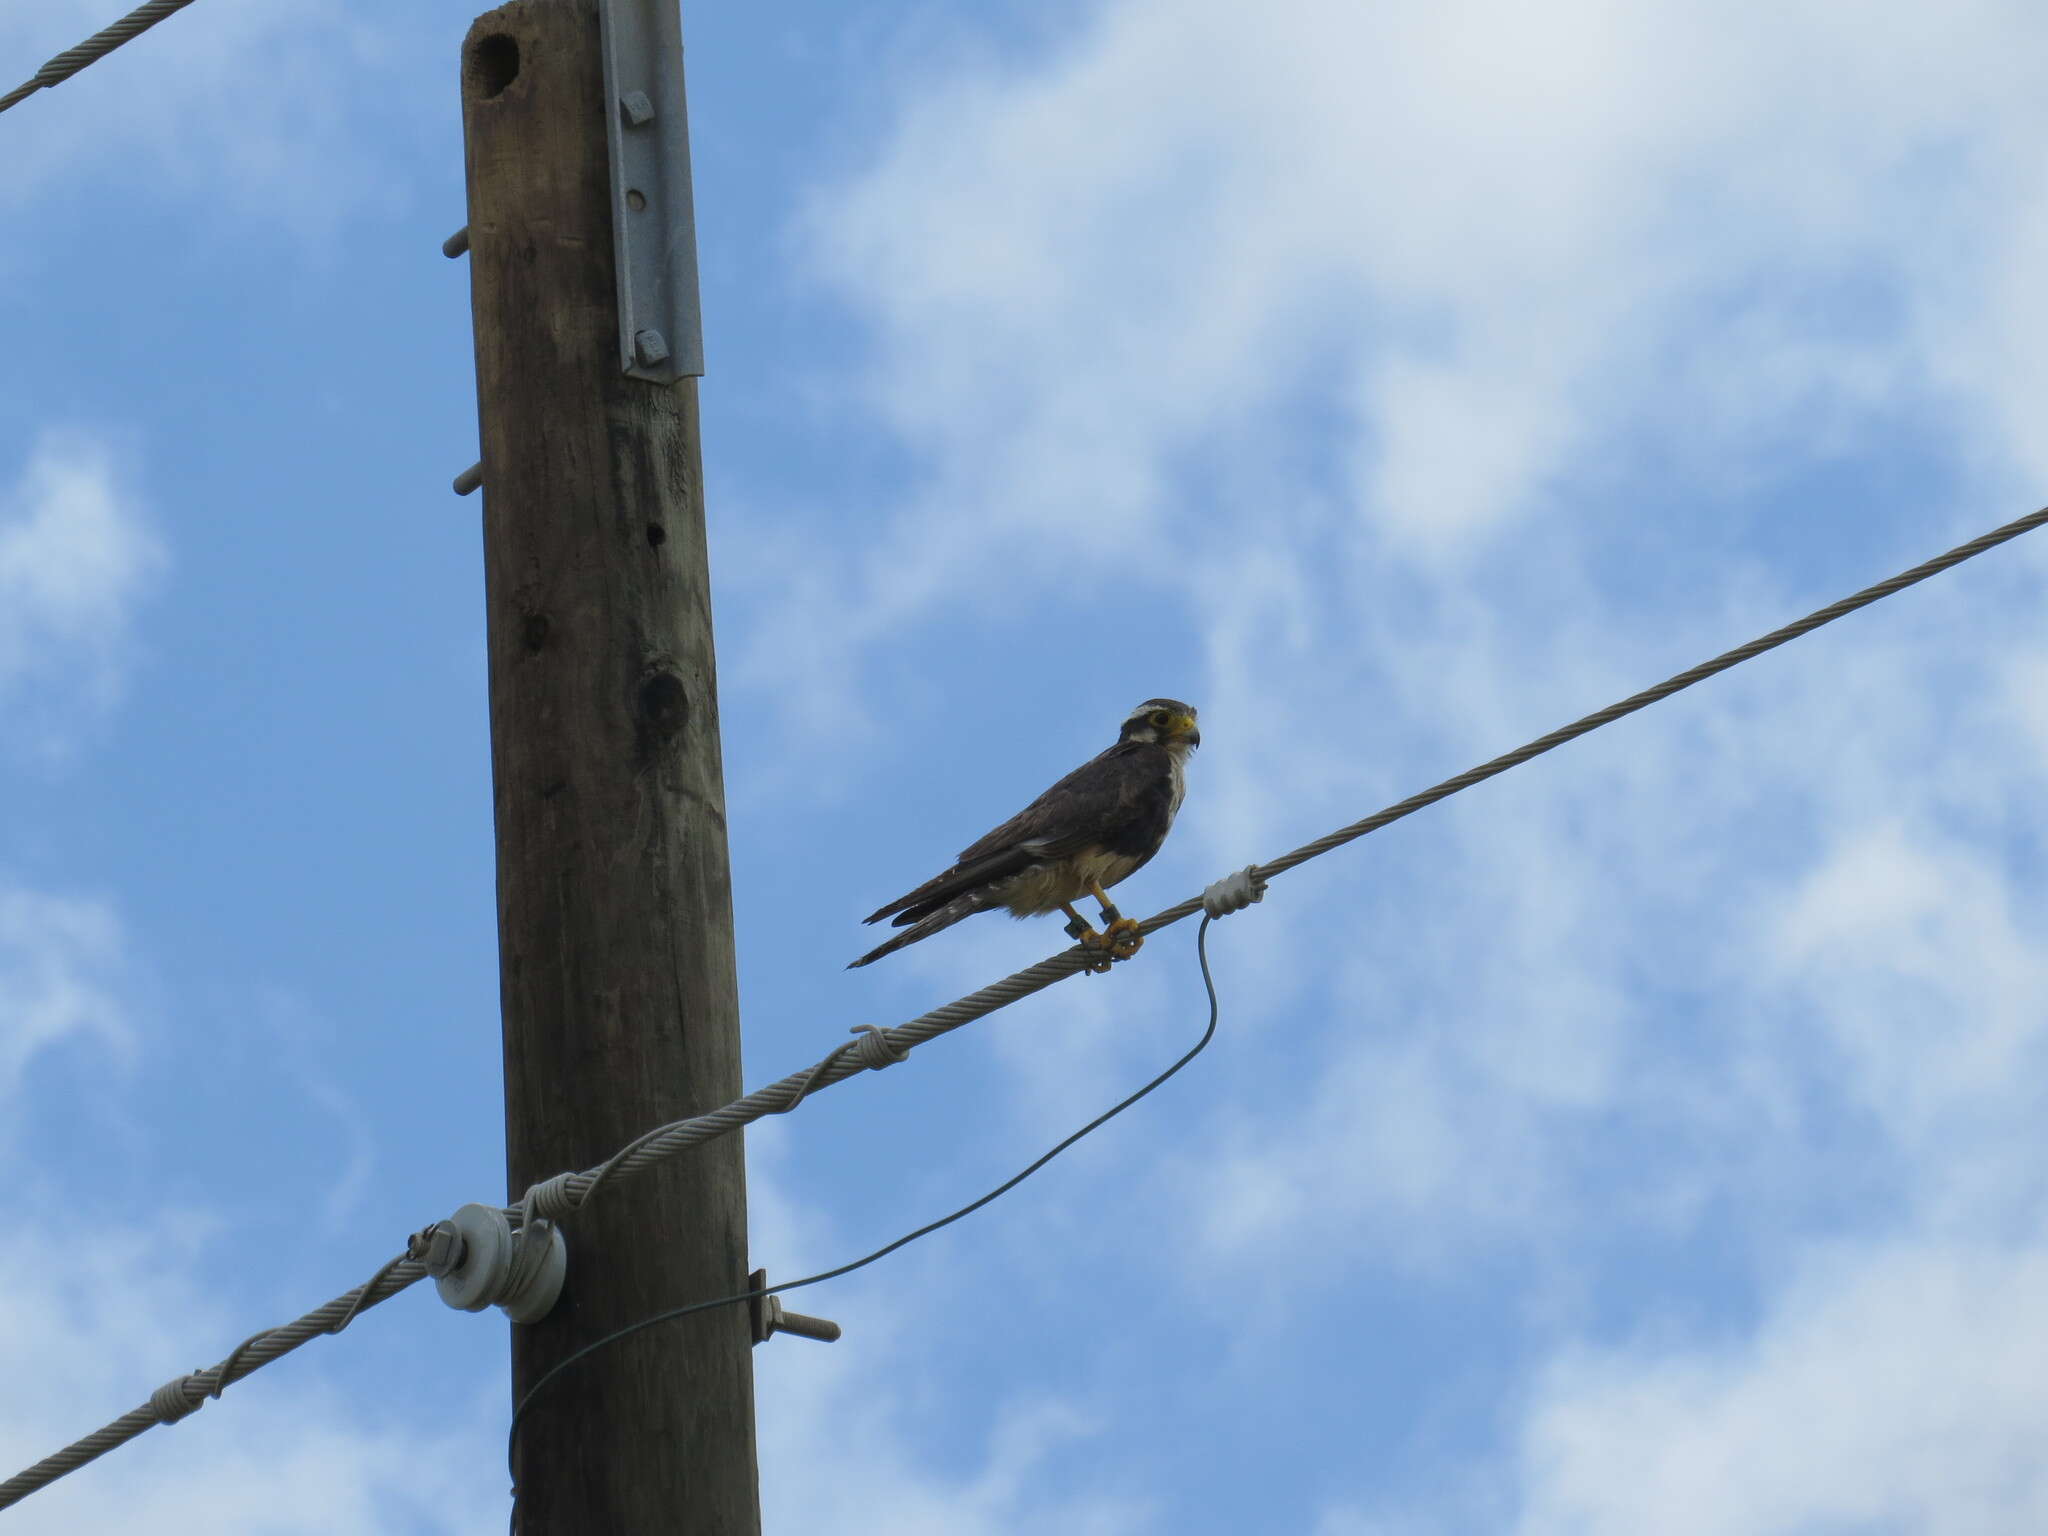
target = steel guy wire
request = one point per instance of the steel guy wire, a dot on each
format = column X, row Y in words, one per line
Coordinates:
column 98, row 46
column 1627, row 706
column 187, row 1394
column 876, row 1048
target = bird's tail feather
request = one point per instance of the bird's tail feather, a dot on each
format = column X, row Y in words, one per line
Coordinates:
column 945, row 917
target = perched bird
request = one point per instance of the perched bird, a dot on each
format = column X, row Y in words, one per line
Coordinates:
column 1097, row 825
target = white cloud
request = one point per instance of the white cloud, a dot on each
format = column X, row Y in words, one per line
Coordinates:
column 60, row 958
column 1909, row 948
column 76, row 556
column 99, row 1314
column 834, row 1457
column 1780, row 928
column 101, row 1309
column 1713, row 922
column 1507, row 250
column 296, row 1045
column 1509, row 239
column 1895, row 1388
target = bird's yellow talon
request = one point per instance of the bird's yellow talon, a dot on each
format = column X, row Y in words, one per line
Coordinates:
column 1079, row 931
column 1122, row 938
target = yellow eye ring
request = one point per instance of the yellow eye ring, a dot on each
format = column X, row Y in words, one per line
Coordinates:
column 1161, row 719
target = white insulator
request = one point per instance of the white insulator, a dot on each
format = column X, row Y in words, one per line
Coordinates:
column 1233, row 893
column 478, row 1260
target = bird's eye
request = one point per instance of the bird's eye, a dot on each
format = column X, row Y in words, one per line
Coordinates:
column 1160, row 719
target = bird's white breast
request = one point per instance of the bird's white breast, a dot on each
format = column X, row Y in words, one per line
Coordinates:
column 1177, row 755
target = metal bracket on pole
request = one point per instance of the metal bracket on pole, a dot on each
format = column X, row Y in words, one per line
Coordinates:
column 769, row 1317
column 654, row 224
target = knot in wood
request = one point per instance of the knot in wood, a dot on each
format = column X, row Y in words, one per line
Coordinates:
column 662, row 709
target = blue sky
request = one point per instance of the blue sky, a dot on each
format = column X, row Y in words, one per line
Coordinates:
column 1646, row 1140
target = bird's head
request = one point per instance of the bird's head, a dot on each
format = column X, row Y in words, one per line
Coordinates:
column 1166, row 722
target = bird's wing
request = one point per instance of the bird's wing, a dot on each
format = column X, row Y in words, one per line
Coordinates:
column 1067, row 818
column 1075, row 813
column 965, row 876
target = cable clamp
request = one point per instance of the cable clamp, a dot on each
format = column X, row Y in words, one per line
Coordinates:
column 478, row 1260
column 1233, row 893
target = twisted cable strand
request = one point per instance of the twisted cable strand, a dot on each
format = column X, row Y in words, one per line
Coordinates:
column 98, row 46
column 183, row 1395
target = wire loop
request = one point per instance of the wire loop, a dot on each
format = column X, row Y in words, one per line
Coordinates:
column 874, row 1049
column 551, row 1199
column 176, row 1398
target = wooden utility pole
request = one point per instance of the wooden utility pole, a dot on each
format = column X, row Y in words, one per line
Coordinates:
column 614, row 909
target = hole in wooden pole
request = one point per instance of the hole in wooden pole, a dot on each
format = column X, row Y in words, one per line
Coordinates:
column 493, row 63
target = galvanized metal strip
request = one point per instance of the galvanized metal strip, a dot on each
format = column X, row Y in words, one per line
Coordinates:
column 654, row 222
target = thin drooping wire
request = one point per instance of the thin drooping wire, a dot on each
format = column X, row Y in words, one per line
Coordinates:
column 1208, row 1034
column 179, row 1397
column 98, row 46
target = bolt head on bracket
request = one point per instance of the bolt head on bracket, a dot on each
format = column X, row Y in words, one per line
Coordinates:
column 650, row 347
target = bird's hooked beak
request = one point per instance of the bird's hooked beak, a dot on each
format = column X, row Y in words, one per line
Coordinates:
column 1185, row 729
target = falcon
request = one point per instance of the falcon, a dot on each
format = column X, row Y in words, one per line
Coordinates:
column 1095, row 827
